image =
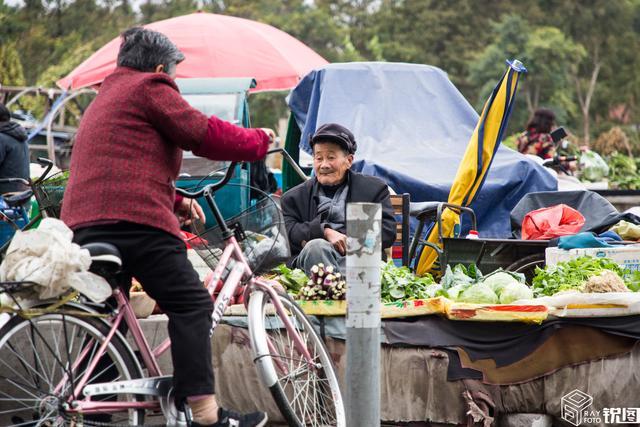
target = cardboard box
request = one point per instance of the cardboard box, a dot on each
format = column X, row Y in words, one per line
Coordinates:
column 627, row 256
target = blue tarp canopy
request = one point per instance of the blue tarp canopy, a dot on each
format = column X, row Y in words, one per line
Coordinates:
column 412, row 127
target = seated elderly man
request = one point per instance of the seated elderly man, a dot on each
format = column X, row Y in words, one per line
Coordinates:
column 315, row 211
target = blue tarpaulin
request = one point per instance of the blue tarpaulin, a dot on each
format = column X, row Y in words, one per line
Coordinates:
column 412, row 127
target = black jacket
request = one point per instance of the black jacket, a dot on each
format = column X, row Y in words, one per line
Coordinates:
column 299, row 206
column 14, row 155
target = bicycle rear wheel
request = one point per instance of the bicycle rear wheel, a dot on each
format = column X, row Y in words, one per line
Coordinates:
column 306, row 395
column 36, row 355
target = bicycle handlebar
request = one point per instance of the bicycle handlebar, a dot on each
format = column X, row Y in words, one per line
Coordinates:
column 48, row 164
column 557, row 160
column 213, row 187
column 289, row 160
column 210, row 188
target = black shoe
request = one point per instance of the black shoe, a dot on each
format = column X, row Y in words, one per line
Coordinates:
column 233, row 419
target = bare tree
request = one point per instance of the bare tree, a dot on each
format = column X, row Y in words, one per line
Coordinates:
column 585, row 96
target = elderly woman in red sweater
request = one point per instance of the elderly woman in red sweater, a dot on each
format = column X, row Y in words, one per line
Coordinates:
column 121, row 190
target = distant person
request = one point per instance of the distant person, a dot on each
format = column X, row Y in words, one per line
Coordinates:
column 315, row 211
column 537, row 139
column 14, row 152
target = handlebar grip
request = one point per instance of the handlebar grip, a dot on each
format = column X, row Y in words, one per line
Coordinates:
column 48, row 166
column 44, row 161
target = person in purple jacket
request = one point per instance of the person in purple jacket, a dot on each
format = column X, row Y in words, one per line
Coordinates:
column 121, row 191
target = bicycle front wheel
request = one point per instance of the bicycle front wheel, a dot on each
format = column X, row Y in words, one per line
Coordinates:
column 307, row 394
column 42, row 360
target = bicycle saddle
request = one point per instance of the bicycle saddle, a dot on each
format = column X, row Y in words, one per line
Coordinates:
column 105, row 257
column 16, row 199
column 423, row 209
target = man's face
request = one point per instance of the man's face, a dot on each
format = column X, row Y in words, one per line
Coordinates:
column 330, row 163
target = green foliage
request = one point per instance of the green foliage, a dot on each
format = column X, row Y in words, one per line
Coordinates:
column 11, row 73
column 400, row 284
column 548, row 55
column 571, row 275
column 623, row 172
column 560, row 42
column 292, row 279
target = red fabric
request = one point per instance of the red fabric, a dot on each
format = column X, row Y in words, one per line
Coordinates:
column 128, row 151
column 216, row 46
column 226, row 141
column 177, row 201
column 554, row 221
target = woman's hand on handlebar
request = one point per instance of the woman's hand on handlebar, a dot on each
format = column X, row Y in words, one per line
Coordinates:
column 189, row 210
column 270, row 133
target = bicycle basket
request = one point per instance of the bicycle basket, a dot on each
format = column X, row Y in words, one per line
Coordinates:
column 49, row 193
column 262, row 237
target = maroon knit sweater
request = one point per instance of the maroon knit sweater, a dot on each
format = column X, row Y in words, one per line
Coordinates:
column 128, row 151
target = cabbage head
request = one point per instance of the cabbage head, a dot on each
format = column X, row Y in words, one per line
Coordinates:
column 453, row 293
column 497, row 281
column 514, row 292
column 479, row 294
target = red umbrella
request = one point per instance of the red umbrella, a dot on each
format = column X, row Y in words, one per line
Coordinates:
column 216, row 46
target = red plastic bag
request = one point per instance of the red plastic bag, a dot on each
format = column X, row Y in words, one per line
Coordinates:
column 554, row 221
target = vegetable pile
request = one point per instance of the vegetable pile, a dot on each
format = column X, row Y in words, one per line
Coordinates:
column 400, row 284
column 292, row 279
column 469, row 285
column 583, row 274
column 623, row 173
column 324, row 284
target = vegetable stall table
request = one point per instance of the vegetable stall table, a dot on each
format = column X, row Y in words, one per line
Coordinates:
column 439, row 371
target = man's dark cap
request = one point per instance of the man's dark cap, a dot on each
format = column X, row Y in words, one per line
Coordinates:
column 333, row 132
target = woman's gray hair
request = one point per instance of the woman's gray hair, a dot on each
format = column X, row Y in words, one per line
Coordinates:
column 144, row 50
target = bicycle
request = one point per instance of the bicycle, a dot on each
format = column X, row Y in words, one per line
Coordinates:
column 48, row 192
column 49, row 354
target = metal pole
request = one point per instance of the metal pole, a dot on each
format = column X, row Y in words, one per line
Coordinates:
column 364, row 222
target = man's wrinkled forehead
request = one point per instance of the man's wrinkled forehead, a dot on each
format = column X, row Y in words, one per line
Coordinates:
column 328, row 147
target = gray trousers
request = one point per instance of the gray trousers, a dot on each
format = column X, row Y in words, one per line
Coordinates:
column 319, row 251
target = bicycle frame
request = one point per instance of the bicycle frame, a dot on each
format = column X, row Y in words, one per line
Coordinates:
column 240, row 271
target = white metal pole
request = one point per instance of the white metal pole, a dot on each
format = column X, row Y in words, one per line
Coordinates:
column 364, row 225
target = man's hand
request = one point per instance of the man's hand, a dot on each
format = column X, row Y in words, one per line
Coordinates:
column 337, row 240
column 188, row 210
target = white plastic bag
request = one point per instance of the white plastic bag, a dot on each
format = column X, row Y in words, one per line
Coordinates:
column 593, row 167
column 47, row 256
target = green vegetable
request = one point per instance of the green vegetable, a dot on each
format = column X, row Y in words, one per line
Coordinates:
column 571, row 275
column 500, row 278
column 453, row 293
column 433, row 290
column 514, row 291
column 400, row 283
column 292, row 280
column 623, row 172
column 460, row 275
column 479, row 294
column 632, row 280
